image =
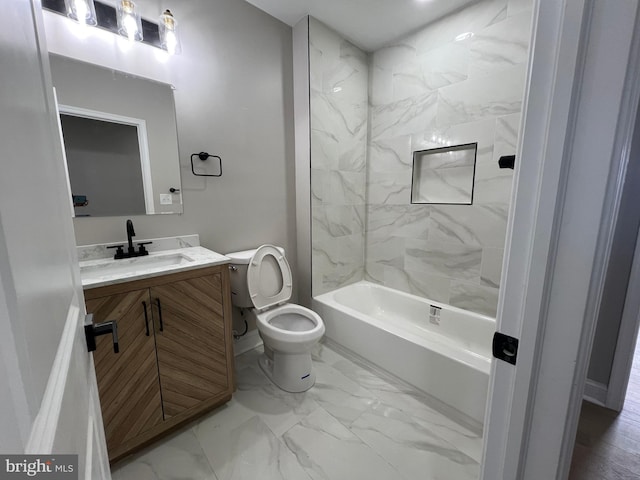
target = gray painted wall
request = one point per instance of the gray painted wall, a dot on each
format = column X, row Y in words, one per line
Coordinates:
column 103, row 159
column 234, row 98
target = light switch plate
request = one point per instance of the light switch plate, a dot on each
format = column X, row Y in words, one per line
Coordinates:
column 166, row 199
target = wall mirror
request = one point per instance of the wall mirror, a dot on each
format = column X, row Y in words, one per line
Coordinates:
column 120, row 139
column 444, row 175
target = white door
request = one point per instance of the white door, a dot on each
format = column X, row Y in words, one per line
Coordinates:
column 581, row 100
column 49, row 399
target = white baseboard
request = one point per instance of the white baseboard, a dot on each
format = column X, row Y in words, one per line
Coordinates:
column 248, row 342
column 595, row 392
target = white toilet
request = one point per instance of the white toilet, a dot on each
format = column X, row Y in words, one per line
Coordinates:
column 261, row 278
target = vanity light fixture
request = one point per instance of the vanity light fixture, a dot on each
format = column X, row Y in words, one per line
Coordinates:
column 168, row 33
column 129, row 22
column 83, row 11
column 120, row 17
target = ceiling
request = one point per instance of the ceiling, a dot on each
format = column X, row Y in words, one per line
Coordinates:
column 369, row 24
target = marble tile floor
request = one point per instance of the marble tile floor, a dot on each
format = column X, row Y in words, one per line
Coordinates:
column 608, row 443
column 357, row 422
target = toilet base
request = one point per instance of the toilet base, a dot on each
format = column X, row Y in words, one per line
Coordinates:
column 290, row 372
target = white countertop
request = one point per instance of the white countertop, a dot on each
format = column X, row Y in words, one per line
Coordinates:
column 99, row 272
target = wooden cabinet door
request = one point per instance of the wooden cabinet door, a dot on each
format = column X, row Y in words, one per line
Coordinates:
column 128, row 381
column 190, row 342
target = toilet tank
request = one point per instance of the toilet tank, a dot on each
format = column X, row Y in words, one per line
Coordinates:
column 238, row 276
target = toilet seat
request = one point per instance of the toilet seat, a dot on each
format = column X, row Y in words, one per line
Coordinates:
column 261, row 273
column 268, row 321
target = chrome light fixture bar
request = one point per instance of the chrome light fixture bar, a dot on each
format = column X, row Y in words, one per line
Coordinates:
column 107, row 19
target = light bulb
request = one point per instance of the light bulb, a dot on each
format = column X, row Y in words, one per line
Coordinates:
column 129, row 23
column 168, row 33
column 130, row 27
column 83, row 11
column 172, row 42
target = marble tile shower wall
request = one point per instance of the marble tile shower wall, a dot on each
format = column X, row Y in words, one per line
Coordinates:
column 339, row 112
column 425, row 91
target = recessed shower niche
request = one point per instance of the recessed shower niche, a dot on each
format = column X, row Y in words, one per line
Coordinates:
column 444, row 175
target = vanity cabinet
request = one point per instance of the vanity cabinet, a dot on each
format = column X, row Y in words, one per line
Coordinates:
column 176, row 353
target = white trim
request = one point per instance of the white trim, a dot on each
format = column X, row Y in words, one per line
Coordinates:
column 88, row 465
column 95, row 413
column 530, row 231
column 590, row 171
column 143, row 143
column 628, row 148
column 96, row 458
column 626, row 19
column 64, row 152
column 302, row 116
column 45, row 425
column 627, row 338
column 145, row 163
column 10, row 365
column 247, row 342
column 595, row 392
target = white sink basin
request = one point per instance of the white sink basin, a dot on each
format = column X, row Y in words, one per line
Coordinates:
column 132, row 265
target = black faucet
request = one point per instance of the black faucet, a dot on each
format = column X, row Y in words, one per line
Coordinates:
column 130, row 233
column 131, row 251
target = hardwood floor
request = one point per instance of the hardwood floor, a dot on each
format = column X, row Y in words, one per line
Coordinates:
column 608, row 443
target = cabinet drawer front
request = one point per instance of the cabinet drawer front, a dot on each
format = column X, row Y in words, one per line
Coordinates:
column 192, row 357
column 128, row 382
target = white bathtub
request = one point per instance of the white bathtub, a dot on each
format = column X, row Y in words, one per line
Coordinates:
column 450, row 360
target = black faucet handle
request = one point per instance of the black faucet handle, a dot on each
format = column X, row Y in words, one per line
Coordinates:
column 141, row 249
column 119, row 251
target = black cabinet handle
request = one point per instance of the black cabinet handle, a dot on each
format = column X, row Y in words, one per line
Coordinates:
column 146, row 319
column 93, row 330
column 160, row 314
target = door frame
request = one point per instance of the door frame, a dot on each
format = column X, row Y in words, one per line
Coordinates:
column 627, row 339
column 612, row 395
column 553, row 281
column 140, row 125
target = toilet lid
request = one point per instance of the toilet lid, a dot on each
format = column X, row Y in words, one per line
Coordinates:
column 268, row 277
